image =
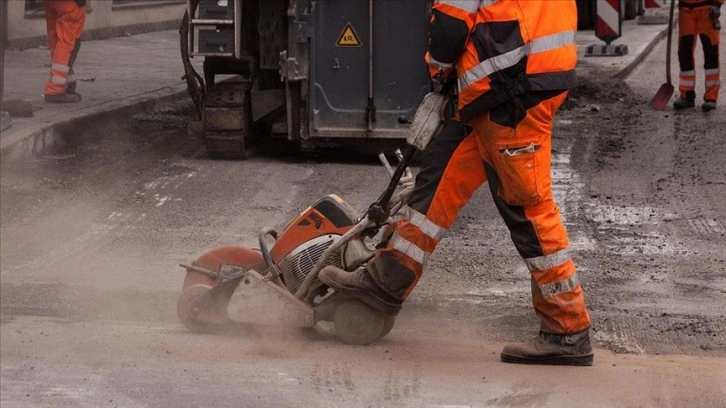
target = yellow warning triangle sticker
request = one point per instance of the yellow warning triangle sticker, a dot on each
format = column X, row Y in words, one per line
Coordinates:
column 348, row 38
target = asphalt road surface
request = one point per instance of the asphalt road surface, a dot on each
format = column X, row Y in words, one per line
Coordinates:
column 93, row 232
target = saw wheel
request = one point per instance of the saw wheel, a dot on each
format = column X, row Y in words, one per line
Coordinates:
column 388, row 322
column 188, row 311
column 358, row 324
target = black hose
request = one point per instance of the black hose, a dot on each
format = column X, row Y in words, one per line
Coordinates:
column 195, row 83
column 263, row 245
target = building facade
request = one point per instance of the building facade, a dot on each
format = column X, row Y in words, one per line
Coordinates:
column 24, row 24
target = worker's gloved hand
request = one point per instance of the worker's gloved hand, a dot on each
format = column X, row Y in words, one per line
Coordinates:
column 715, row 12
column 444, row 81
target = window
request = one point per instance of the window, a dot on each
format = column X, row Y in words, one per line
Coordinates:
column 33, row 6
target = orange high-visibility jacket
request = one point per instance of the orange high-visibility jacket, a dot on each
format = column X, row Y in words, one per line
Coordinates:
column 503, row 48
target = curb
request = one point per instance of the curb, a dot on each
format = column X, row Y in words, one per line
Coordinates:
column 640, row 57
column 35, row 139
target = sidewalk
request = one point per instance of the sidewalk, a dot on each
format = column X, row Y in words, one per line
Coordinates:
column 118, row 76
column 639, row 38
column 121, row 76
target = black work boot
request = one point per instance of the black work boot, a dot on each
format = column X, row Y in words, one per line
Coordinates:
column 708, row 105
column 62, row 98
column 552, row 349
column 360, row 285
column 71, row 90
column 688, row 101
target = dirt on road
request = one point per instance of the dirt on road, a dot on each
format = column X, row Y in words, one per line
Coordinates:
column 93, row 234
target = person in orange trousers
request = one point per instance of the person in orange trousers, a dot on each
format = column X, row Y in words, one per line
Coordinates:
column 64, row 20
column 513, row 62
column 698, row 18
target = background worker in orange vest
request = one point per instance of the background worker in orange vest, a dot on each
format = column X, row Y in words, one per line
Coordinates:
column 514, row 61
column 64, row 20
column 698, row 17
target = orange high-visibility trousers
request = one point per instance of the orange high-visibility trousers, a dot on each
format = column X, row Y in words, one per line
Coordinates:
column 64, row 21
column 692, row 23
column 510, row 147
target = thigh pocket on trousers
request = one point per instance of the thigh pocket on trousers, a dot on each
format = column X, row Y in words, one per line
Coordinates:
column 523, row 173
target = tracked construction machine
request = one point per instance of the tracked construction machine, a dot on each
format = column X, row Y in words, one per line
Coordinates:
column 310, row 72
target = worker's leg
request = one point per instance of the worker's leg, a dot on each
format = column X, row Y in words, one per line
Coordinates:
column 516, row 137
column 51, row 19
column 687, row 31
column 72, row 84
column 68, row 27
column 452, row 170
column 710, row 38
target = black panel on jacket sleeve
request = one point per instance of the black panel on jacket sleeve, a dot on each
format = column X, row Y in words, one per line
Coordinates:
column 447, row 37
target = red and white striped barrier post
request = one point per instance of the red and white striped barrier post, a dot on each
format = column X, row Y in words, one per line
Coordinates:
column 608, row 26
column 654, row 12
column 609, row 20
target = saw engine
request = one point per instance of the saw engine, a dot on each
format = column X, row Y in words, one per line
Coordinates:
column 306, row 237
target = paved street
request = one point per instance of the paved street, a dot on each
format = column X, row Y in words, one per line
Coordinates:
column 90, row 278
column 94, row 225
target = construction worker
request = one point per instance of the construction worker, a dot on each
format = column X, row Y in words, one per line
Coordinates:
column 698, row 18
column 64, row 20
column 514, row 62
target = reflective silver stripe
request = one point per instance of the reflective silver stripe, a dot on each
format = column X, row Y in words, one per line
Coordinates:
column 466, row 5
column 58, row 80
column 687, row 83
column 550, row 42
column 688, row 73
column 409, row 249
column 506, row 60
column 556, row 288
column 425, row 225
column 489, row 66
column 60, row 67
column 432, row 61
column 485, row 3
column 545, row 262
column 713, row 83
column 712, row 71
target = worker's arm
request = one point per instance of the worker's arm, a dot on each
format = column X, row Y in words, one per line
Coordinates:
column 449, row 28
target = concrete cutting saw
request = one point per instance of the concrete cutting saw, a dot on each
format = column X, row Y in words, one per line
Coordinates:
column 277, row 283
